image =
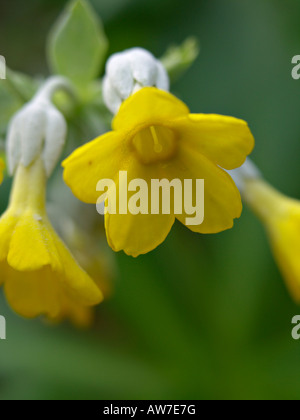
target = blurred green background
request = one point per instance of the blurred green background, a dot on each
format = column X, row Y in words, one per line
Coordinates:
column 201, row 317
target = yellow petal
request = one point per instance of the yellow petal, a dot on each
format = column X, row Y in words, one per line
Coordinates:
column 8, row 222
column 141, row 233
column 222, row 200
column 31, row 245
column 32, row 293
column 137, row 234
column 148, row 106
column 77, row 282
column 99, row 159
column 227, row 141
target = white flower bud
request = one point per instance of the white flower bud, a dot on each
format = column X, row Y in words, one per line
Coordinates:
column 37, row 129
column 129, row 71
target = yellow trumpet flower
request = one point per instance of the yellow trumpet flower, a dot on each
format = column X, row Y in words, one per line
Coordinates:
column 39, row 274
column 281, row 218
column 155, row 137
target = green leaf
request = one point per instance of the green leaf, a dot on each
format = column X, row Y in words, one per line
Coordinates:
column 77, row 44
column 178, row 59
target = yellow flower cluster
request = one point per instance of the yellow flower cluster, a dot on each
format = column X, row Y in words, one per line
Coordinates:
column 154, row 136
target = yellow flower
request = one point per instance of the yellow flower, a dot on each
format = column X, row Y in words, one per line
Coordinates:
column 281, row 218
column 155, row 136
column 39, row 274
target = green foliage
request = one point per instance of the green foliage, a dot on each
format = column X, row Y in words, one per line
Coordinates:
column 178, row 59
column 77, row 44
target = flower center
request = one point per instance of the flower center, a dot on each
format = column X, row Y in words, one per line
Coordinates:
column 154, row 144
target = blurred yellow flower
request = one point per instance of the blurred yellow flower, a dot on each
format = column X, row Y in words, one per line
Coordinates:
column 39, row 274
column 155, row 136
column 81, row 316
column 281, row 217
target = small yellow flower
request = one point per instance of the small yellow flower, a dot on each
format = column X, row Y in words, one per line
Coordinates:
column 39, row 274
column 281, row 218
column 155, row 136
